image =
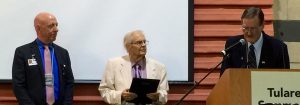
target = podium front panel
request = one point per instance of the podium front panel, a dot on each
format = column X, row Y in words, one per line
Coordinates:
column 275, row 87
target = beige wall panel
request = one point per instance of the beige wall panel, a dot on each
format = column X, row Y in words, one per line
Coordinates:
column 294, row 51
column 280, row 9
column 293, row 9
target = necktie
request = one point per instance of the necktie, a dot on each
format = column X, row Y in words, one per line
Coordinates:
column 48, row 76
column 137, row 71
column 252, row 57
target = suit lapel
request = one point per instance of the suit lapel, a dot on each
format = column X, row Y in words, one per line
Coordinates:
column 58, row 56
column 240, row 56
column 125, row 70
column 266, row 50
column 37, row 55
column 243, row 56
column 150, row 69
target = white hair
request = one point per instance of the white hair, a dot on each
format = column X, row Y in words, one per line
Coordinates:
column 128, row 37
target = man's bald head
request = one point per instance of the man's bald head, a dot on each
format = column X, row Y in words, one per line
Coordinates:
column 42, row 17
column 46, row 27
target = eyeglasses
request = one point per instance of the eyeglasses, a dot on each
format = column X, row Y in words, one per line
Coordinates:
column 140, row 43
column 249, row 28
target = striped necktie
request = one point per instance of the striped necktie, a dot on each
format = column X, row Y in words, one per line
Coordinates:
column 48, row 76
column 252, row 57
column 137, row 71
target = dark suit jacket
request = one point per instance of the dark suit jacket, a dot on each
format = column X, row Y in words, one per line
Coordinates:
column 274, row 54
column 29, row 81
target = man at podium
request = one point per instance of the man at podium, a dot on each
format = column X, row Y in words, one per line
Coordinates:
column 254, row 48
column 119, row 72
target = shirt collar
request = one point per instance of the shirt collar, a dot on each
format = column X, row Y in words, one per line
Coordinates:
column 41, row 44
column 258, row 43
column 141, row 62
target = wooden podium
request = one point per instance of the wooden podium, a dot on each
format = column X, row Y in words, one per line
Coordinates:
column 234, row 87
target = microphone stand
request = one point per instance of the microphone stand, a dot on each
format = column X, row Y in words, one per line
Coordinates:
column 198, row 83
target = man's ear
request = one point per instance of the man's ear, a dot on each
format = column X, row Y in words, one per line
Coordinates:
column 37, row 28
column 127, row 47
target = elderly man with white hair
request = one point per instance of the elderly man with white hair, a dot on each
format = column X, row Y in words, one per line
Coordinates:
column 119, row 72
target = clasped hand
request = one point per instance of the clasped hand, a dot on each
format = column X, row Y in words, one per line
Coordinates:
column 128, row 96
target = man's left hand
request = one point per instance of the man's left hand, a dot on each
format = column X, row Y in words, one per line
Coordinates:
column 153, row 96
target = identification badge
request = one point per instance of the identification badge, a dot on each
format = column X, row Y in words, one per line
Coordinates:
column 32, row 62
column 49, row 79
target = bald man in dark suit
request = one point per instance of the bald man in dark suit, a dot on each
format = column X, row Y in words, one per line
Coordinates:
column 34, row 73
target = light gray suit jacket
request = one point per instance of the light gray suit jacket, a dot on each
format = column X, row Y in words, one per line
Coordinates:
column 118, row 77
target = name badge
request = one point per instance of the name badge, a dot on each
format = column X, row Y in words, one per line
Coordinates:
column 32, row 62
column 48, row 79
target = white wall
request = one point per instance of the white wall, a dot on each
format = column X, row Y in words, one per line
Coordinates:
column 93, row 30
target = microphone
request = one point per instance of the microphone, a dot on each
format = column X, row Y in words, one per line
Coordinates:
column 241, row 41
column 198, row 83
